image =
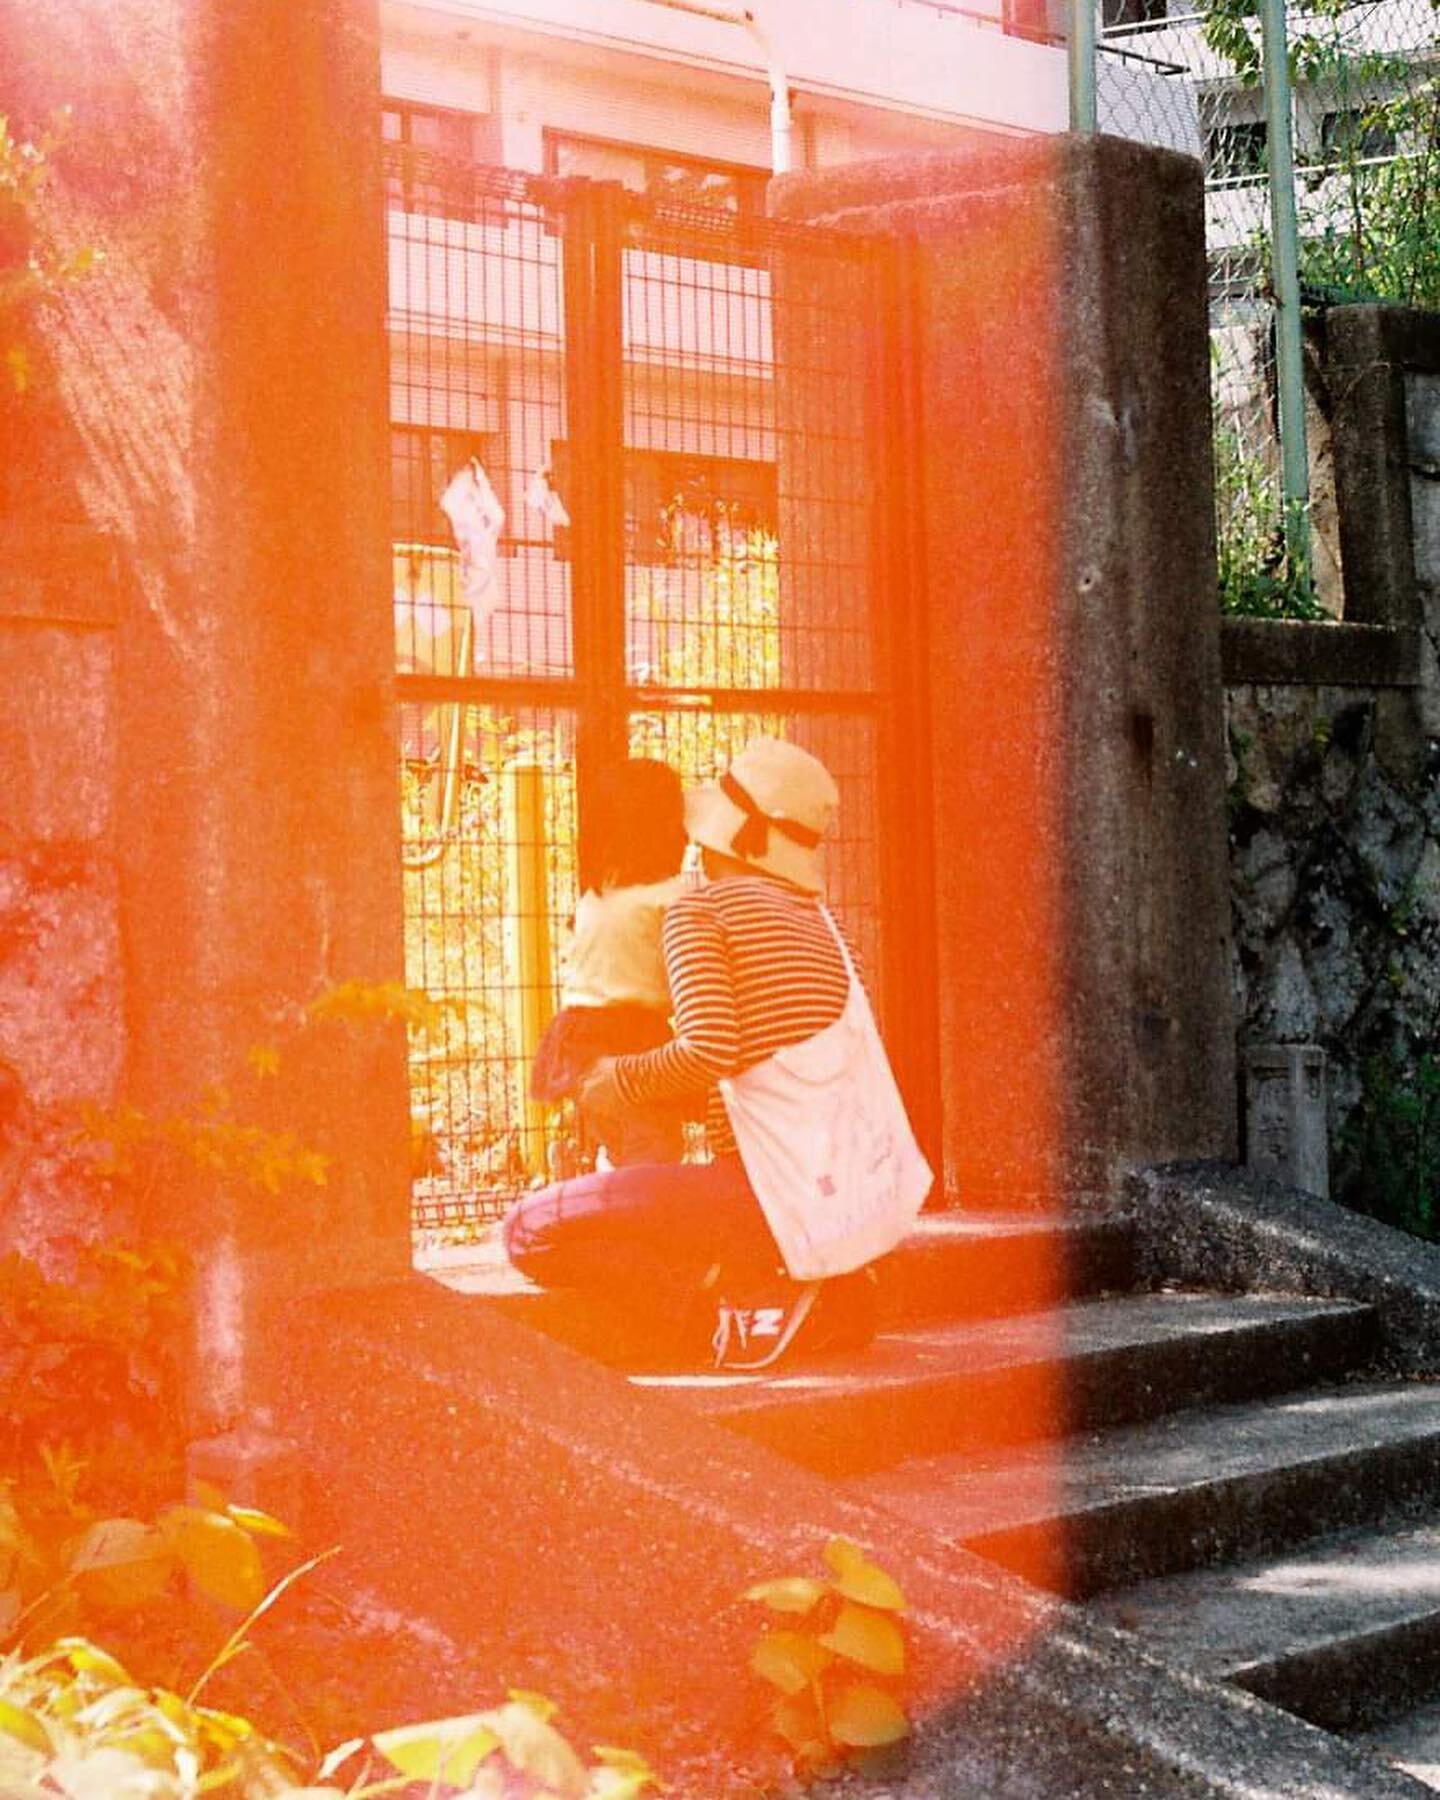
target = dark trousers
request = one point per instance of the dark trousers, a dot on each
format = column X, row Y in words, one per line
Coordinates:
column 648, row 1234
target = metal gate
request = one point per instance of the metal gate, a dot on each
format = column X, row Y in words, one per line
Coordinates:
column 690, row 437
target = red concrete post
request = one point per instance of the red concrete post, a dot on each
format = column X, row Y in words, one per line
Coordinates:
column 1076, row 704
column 223, row 376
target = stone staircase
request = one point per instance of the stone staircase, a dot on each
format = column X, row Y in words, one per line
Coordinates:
column 1225, row 1476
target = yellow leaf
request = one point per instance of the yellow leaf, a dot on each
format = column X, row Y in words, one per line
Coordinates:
column 154, row 1747
column 537, row 1749
column 797, row 1719
column 790, row 1594
column 857, row 1578
column 119, row 1563
column 20, row 1723
column 618, row 1784
column 864, row 1717
column 440, row 1750
column 89, row 1659
column 217, row 1555
column 257, row 1523
column 540, row 1704
column 869, row 1638
column 628, row 1762
column 789, row 1660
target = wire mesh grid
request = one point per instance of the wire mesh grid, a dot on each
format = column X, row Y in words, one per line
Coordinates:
column 1365, row 124
column 746, row 385
column 477, row 383
column 481, row 901
column 664, row 422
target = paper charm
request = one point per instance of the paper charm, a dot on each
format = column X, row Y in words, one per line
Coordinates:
column 476, row 517
column 542, row 498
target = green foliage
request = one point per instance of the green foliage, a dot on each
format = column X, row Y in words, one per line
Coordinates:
column 834, row 1660
column 1258, row 577
column 75, row 1725
column 129, row 1141
column 1392, row 1142
column 1369, row 210
column 1370, row 229
column 30, row 274
column 468, row 1078
column 85, row 1360
column 208, row 1139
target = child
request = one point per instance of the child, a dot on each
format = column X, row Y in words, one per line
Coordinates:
column 614, row 998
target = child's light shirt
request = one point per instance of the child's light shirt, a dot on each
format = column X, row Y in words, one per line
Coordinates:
column 615, row 956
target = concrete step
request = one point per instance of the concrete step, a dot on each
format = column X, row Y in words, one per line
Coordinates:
column 946, row 1388
column 1411, row 1742
column 1345, row 1632
column 953, row 1265
column 1188, row 1491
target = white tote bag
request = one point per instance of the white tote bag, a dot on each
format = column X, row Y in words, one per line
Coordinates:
column 823, row 1135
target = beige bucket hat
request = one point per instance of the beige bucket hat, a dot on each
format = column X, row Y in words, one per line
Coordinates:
column 771, row 809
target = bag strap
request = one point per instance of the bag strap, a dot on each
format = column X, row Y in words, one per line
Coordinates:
column 840, row 943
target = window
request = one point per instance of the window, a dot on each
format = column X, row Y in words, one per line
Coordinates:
column 1237, row 151
column 1356, row 131
column 430, row 153
column 1117, row 14
column 423, row 458
column 659, row 174
column 679, row 506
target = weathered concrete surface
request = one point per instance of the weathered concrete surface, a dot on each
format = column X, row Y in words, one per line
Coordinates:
column 548, row 1525
column 1367, row 352
column 1074, row 646
column 1215, row 1226
column 222, row 381
column 1342, row 1631
column 1268, row 652
column 1181, row 1492
column 941, row 1388
column 1413, row 1742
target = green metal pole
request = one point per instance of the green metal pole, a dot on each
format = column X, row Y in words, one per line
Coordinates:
column 1082, row 65
column 1285, row 278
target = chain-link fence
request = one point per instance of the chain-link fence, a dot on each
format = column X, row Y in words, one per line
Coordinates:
column 1362, row 96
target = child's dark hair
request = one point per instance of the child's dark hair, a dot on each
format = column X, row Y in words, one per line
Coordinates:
column 632, row 826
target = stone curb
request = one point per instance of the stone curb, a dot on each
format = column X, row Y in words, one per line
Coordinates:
column 1215, row 1225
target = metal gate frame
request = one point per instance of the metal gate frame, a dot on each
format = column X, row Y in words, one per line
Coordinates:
column 596, row 223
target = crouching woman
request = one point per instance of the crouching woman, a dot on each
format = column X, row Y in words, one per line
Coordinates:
column 814, row 1171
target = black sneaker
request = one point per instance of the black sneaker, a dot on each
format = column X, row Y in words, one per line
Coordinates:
column 754, row 1336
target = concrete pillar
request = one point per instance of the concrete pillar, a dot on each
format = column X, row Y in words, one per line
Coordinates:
column 1076, row 702
column 223, row 381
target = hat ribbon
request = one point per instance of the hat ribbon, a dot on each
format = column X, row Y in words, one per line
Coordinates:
column 752, row 840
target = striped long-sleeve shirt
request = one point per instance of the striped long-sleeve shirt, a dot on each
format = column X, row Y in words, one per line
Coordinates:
column 752, row 966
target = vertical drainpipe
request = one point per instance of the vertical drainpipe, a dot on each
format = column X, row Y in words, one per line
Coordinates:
column 1285, row 279
column 781, row 119
column 782, row 124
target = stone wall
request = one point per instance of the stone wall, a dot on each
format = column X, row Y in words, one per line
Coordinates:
column 1333, row 739
column 61, row 976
